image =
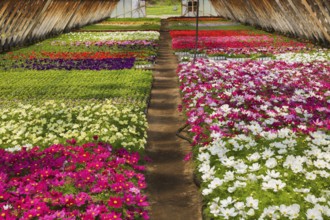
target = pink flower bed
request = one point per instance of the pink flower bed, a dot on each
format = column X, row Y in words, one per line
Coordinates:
column 182, row 43
column 226, row 97
column 92, row 181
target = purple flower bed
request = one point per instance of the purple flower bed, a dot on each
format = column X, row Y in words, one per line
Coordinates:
column 92, row 181
column 78, row 64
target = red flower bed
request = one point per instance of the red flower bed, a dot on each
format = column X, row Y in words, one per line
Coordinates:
column 75, row 55
column 213, row 33
column 92, row 181
column 183, row 43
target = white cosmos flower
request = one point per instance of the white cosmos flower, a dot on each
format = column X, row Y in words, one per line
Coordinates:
column 229, row 176
column 241, row 168
column 310, row 176
column 206, row 191
column 267, row 154
column 216, row 182
column 273, row 184
column 226, row 202
column 204, row 157
column 254, row 167
column 314, row 214
column 273, row 174
column 251, row 212
column 254, row 157
column 231, row 189
column 215, row 208
column 271, row 163
column 228, row 213
column 252, row 203
column 312, row 199
column 239, row 205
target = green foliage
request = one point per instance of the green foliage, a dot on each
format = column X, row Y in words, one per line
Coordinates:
column 159, row 10
column 137, row 24
column 36, row 85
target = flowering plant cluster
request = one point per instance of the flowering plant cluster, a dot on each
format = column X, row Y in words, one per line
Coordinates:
column 54, row 122
column 216, row 33
column 91, row 181
column 318, row 55
column 277, row 175
column 121, row 24
column 108, row 43
column 77, row 64
column 275, row 94
column 251, row 51
column 108, row 36
column 78, row 55
column 27, row 85
column 262, row 129
column 87, row 51
column 182, row 43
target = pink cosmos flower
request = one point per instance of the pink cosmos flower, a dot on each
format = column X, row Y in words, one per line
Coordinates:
column 115, row 202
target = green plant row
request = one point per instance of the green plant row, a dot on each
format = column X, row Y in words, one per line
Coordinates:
column 41, row 85
column 110, row 27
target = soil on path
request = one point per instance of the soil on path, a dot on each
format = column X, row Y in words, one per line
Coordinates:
column 171, row 190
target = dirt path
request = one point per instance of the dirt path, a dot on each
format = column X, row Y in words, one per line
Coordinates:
column 171, row 191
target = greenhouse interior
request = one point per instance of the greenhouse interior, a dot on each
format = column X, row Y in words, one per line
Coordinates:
column 164, row 109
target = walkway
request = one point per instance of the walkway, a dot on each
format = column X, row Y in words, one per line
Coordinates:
column 171, row 191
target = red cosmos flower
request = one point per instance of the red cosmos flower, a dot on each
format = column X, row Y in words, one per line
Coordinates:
column 111, row 216
column 72, row 141
column 129, row 199
column 115, row 202
column 141, row 201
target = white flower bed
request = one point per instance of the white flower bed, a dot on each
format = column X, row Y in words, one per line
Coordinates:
column 52, row 123
column 116, row 36
column 273, row 175
column 321, row 55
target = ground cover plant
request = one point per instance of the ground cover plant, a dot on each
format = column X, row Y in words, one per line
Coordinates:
column 91, row 181
column 234, row 41
column 43, row 85
column 315, row 55
column 125, row 24
column 104, row 101
column 262, row 135
column 205, row 23
column 85, row 50
column 51, row 122
column 163, row 10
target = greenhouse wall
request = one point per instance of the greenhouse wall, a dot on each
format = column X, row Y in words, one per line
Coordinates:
column 129, row 9
column 308, row 19
column 189, row 8
column 28, row 21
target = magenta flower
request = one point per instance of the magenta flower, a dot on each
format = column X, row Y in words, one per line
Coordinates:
column 129, row 199
column 115, row 202
column 141, row 201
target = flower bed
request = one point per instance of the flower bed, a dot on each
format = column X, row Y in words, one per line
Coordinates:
column 273, row 175
column 77, row 64
column 182, row 43
column 76, row 55
column 215, row 33
column 319, row 55
column 92, row 181
column 54, row 122
column 262, row 132
column 89, row 51
column 33, row 85
column 108, row 36
column 273, row 94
